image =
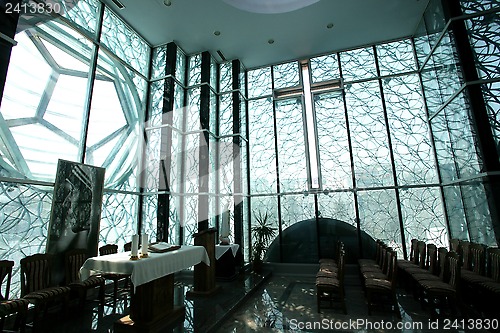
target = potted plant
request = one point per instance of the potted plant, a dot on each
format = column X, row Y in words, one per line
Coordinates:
column 263, row 233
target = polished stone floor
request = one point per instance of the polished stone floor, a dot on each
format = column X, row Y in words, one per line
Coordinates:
column 277, row 302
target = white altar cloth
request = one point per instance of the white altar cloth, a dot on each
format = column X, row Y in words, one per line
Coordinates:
column 148, row 269
column 221, row 249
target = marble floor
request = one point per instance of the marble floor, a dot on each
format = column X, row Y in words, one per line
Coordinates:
column 270, row 302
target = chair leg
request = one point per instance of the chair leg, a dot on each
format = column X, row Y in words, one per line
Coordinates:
column 115, row 293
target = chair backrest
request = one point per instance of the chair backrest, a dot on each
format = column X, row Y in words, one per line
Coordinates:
column 73, row 261
column 454, row 269
column 455, row 245
column 341, row 267
column 35, row 273
column 442, row 252
column 387, row 257
column 127, row 246
column 432, row 259
column 393, row 269
column 464, row 253
column 477, row 258
column 414, row 250
column 422, row 250
column 5, row 274
column 108, row 249
column 494, row 263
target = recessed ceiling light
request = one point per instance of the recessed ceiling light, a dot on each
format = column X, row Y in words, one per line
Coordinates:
column 217, row 33
column 329, row 25
column 167, row 3
column 271, row 41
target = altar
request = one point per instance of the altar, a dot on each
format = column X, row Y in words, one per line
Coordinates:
column 152, row 302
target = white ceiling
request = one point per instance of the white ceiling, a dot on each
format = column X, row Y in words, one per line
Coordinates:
column 297, row 34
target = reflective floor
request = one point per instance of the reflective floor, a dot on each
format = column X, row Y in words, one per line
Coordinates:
column 264, row 303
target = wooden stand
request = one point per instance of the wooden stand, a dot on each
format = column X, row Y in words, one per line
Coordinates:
column 204, row 276
column 151, row 308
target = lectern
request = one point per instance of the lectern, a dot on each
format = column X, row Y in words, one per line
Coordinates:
column 204, row 276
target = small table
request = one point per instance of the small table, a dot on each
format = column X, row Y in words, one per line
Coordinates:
column 152, row 302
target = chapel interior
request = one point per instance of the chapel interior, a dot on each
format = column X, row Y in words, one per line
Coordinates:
column 335, row 165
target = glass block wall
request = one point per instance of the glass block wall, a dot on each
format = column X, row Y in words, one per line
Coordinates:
column 380, row 139
column 376, row 160
column 462, row 140
column 47, row 114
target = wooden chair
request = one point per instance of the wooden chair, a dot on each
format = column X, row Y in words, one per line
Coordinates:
column 331, row 289
column 127, row 246
column 382, row 291
column 8, row 307
column 442, row 294
column 36, row 284
column 116, row 278
column 73, row 261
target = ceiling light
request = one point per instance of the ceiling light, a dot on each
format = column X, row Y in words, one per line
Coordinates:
column 270, row 6
column 329, row 25
column 118, row 4
column 167, row 3
column 271, row 41
column 217, row 33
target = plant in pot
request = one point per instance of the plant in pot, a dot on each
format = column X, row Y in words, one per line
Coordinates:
column 263, row 233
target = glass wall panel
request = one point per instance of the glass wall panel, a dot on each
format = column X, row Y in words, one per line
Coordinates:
column 226, row 114
column 475, row 6
column 84, row 13
column 226, row 77
column 423, row 216
column 325, row 68
column 291, row 147
column 462, row 137
column 262, row 147
column 118, row 218
column 434, row 20
column 263, row 205
column 194, row 70
column 339, row 206
column 25, row 211
column 358, row 64
column 491, row 93
column 296, row 208
column 333, row 141
column 478, row 213
column 369, row 135
column 115, row 122
column 378, row 216
column 159, row 62
column 422, row 44
column 286, row 75
column 407, row 119
column 455, row 211
column 149, row 216
column 125, row 43
column 430, row 86
column 259, row 82
column 396, row 57
column 447, row 68
column 45, row 122
column 484, row 32
column 442, row 146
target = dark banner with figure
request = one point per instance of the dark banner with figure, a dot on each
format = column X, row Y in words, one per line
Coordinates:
column 76, row 212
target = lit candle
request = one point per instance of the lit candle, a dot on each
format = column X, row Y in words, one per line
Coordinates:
column 135, row 246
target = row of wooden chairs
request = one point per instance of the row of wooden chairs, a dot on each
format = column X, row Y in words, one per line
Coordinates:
column 480, row 274
column 434, row 276
column 379, row 279
column 37, row 288
column 330, row 279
